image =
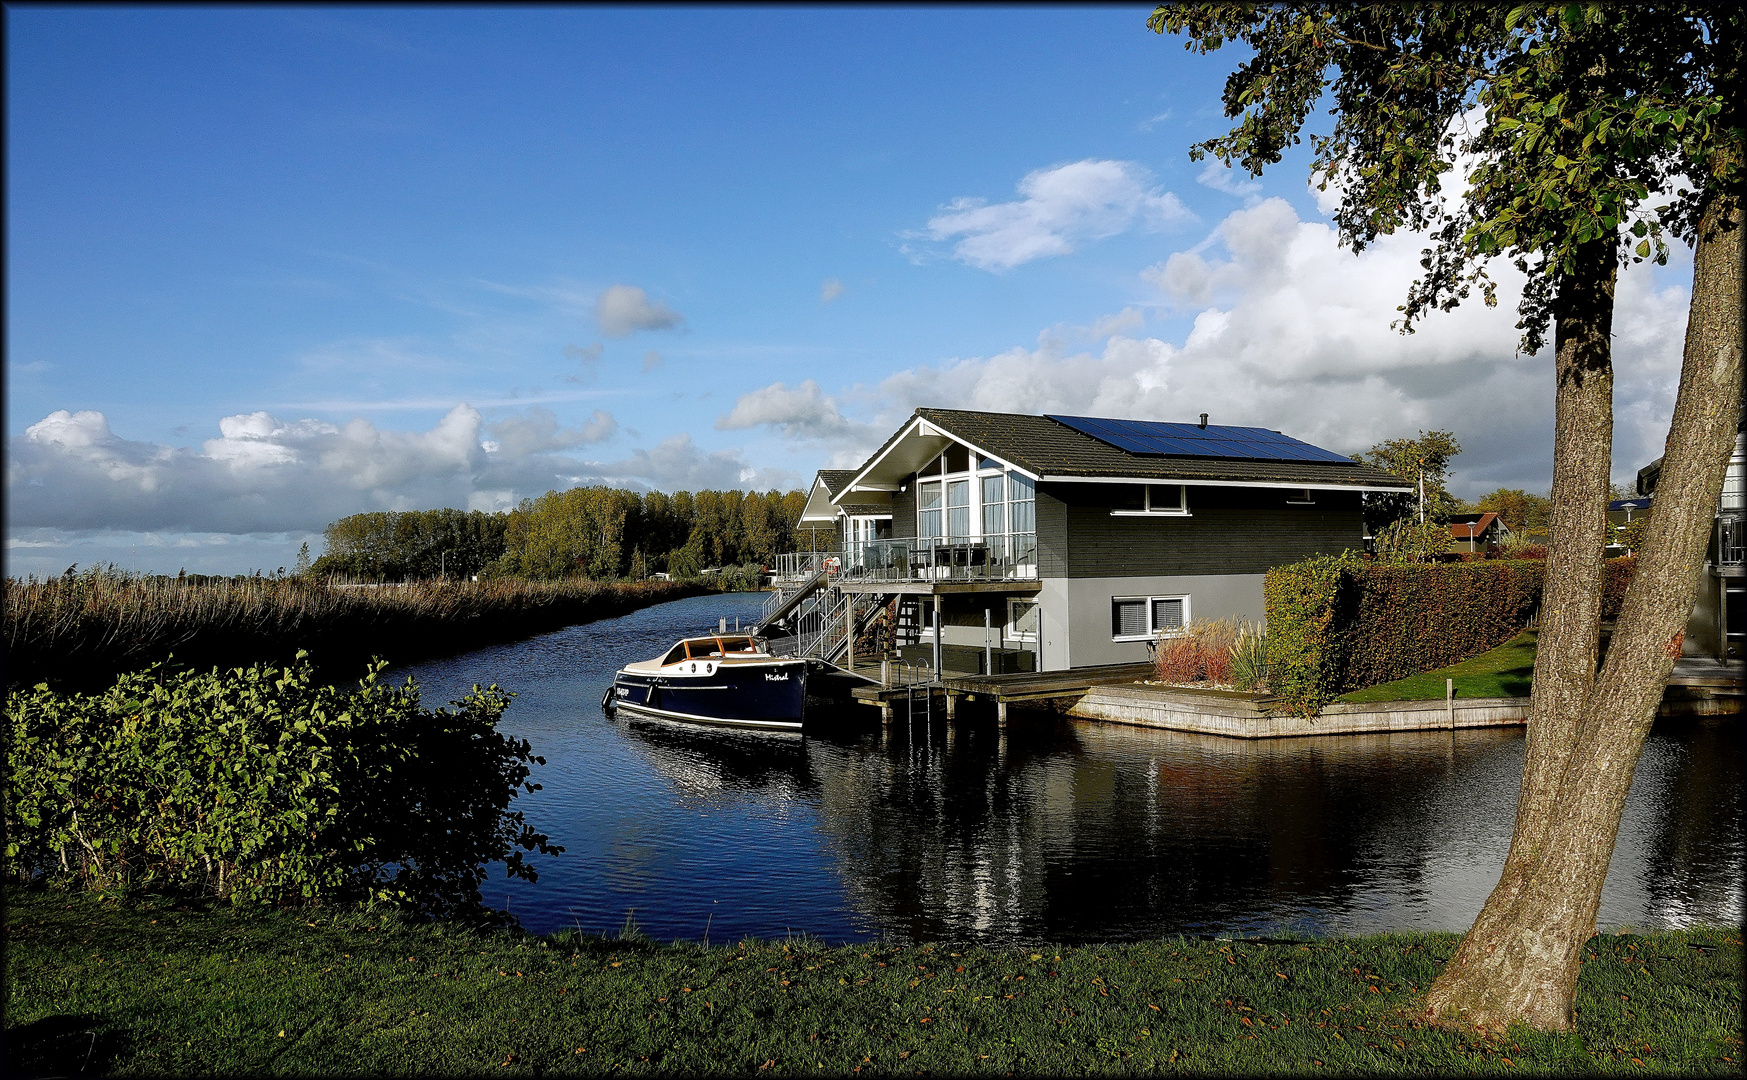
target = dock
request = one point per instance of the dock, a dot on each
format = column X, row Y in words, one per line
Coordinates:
column 1001, row 690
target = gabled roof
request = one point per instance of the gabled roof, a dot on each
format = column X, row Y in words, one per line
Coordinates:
column 836, row 481
column 1049, row 450
column 1472, row 530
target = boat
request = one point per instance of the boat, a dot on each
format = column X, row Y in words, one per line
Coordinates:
column 728, row 679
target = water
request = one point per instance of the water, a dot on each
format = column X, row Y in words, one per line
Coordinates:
column 1060, row 831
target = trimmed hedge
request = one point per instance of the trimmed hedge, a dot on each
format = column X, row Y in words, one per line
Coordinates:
column 1339, row 623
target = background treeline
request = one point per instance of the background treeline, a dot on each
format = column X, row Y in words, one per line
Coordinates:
column 595, row 532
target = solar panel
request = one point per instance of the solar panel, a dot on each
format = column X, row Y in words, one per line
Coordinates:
column 1159, row 438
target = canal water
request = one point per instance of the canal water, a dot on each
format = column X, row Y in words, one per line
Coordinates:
column 1060, row 830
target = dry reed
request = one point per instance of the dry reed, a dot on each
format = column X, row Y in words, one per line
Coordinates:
column 1201, row 653
column 82, row 631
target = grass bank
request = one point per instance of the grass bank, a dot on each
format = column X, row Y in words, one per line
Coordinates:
column 150, row 987
column 81, row 631
column 1506, row 671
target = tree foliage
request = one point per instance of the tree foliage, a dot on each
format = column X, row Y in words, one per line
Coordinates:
column 1427, row 457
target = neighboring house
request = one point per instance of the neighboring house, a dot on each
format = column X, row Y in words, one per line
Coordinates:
column 1473, row 532
column 850, row 522
column 1075, row 539
column 1718, row 625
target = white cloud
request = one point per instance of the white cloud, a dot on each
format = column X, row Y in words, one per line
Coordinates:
column 678, row 464
column 803, row 412
column 1294, row 333
column 536, row 432
column 831, row 290
column 623, row 310
column 1059, row 206
column 1222, row 177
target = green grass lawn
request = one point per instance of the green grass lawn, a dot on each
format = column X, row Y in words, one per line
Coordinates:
column 1505, row 671
column 150, row 987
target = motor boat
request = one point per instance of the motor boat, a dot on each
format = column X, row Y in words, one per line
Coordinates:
column 729, row 679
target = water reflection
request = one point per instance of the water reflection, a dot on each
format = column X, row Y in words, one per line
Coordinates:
column 1060, row 831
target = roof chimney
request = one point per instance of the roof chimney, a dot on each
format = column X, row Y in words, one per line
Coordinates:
column 1203, row 421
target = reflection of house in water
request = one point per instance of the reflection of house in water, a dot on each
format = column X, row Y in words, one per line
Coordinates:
column 1099, row 832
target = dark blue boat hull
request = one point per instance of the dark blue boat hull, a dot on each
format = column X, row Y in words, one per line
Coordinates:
column 736, row 695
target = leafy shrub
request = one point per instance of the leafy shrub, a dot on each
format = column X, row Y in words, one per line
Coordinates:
column 1309, row 605
column 1409, row 541
column 1339, row 623
column 264, row 785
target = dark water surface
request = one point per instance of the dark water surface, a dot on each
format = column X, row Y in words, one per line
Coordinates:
column 1061, row 830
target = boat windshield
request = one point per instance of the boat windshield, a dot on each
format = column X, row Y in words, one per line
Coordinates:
column 711, row 647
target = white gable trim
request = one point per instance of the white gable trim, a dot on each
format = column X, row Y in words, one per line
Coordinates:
column 922, row 428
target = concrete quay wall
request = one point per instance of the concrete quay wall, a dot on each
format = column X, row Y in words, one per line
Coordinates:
column 1241, row 716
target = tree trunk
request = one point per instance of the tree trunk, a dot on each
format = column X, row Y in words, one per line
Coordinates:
column 1520, row 960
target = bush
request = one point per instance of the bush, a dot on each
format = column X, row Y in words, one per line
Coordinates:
column 1340, row 623
column 1202, row 653
column 1249, row 659
column 263, row 785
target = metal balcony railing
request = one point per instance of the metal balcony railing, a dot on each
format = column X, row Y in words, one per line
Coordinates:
column 1731, row 539
column 1008, row 557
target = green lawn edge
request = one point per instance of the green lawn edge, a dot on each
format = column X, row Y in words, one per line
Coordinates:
column 147, row 986
column 1506, row 671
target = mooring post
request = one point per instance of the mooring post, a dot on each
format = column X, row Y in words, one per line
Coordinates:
column 937, row 637
column 722, row 625
column 988, row 649
column 1450, row 703
column 1001, row 715
column 886, row 671
column 951, row 706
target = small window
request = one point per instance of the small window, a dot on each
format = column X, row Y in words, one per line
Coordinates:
column 1022, row 619
column 1163, row 499
column 987, row 463
column 1301, row 497
column 958, row 458
column 1141, row 618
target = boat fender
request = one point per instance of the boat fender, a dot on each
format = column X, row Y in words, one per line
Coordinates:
column 609, row 703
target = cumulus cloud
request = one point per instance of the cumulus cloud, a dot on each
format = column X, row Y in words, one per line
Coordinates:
column 678, row 464
column 1292, row 332
column 830, row 290
column 1057, row 207
column 536, row 432
column 801, row 412
column 623, row 310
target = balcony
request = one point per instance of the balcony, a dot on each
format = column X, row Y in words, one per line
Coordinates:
column 919, row 560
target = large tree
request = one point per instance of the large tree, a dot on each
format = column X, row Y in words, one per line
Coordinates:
column 1577, row 135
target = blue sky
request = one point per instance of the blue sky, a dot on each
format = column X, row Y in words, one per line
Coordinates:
column 267, row 267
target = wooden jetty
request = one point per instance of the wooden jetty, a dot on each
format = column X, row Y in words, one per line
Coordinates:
column 1002, row 690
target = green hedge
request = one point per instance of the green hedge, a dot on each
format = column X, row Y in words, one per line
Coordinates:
column 264, row 785
column 1339, row 623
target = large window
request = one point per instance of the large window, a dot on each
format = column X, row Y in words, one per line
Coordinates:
column 994, row 505
column 1139, row 618
column 928, row 509
column 958, row 508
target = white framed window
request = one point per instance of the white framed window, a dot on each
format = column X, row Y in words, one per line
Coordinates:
column 1142, row 618
column 1022, row 620
column 928, row 509
column 1162, row 500
column 1301, row 497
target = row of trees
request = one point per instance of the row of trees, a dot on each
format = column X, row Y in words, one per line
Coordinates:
column 597, row 532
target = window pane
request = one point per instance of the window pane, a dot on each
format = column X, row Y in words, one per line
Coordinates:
column 1024, row 517
column 958, row 458
column 958, row 507
column 987, row 463
column 1020, row 488
column 928, row 523
column 1024, row 617
column 1128, row 497
column 928, row 496
column 1166, row 496
column 1168, row 614
column 1128, row 618
column 994, row 523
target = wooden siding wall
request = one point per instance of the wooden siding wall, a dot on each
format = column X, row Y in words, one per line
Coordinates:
column 1231, row 531
column 904, row 509
column 1052, row 535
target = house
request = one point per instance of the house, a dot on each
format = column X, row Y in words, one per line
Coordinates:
column 1474, row 532
column 1717, row 627
column 1073, row 540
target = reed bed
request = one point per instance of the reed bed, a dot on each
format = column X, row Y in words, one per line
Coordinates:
column 80, row 632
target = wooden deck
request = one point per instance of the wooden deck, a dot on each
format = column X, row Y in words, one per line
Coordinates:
column 1000, row 689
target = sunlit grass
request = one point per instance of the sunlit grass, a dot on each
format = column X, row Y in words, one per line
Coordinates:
column 148, row 987
column 1506, row 671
